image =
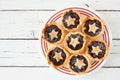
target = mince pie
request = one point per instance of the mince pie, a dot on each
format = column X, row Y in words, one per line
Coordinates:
column 74, row 42
column 71, row 20
column 57, row 56
column 97, row 50
column 78, row 63
column 92, row 27
column 53, row 33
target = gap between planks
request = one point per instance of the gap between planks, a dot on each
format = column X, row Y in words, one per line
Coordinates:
column 35, row 39
column 52, row 10
column 28, row 10
column 25, row 66
column 47, row 67
column 19, row 38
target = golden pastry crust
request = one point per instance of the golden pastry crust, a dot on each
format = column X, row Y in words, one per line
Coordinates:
column 88, row 35
column 58, row 26
column 88, row 63
column 74, row 42
column 97, row 51
column 80, row 18
column 51, row 63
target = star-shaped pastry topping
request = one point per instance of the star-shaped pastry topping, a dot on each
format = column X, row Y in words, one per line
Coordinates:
column 74, row 42
column 53, row 34
column 58, row 56
column 80, row 63
column 96, row 50
column 93, row 28
column 70, row 21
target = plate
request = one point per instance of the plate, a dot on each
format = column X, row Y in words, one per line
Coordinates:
column 84, row 12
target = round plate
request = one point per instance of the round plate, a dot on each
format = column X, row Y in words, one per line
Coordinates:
column 84, row 12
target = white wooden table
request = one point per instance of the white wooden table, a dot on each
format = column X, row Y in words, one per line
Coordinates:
column 20, row 23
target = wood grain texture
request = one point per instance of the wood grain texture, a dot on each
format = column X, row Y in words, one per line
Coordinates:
column 41, row 73
column 48, row 4
column 33, row 46
column 21, row 22
column 29, row 53
column 28, row 24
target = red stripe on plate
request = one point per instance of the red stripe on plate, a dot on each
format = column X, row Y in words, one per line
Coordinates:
column 93, row 63
column 65, row 72
column 106, row 39
column 96, row 62
column 95, row 67
column 45, row 46
column 42, row 47
column 108, row 36
column 82, row 12
column 65, row 69
column 56, row 18
column 104, row 36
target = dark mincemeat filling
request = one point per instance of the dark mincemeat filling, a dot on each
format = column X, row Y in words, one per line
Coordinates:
column 76, row 68
column 52, row 54
column 73, row 15
column 80, row 39
column 48, row 30
column 102, row 47
column 98, row 24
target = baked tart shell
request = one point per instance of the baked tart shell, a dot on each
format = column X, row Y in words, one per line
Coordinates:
column 60, row 27
column 51, row 63
column 81, row 54
column 69, row 49
column 98, row 59
column 78, row 26
column 93, row 18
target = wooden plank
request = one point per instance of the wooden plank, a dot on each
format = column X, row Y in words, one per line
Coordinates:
column 115, row 46
column 30, row 60
column 21, row 52
column 29, row 53
column 112, row 61
column 29, row 24
column 111, row 19
column 33, row 46
column 41, row 73
column 48, row 4
column 22, row 24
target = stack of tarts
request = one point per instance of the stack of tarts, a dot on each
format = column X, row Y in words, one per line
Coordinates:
column 76, row 42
